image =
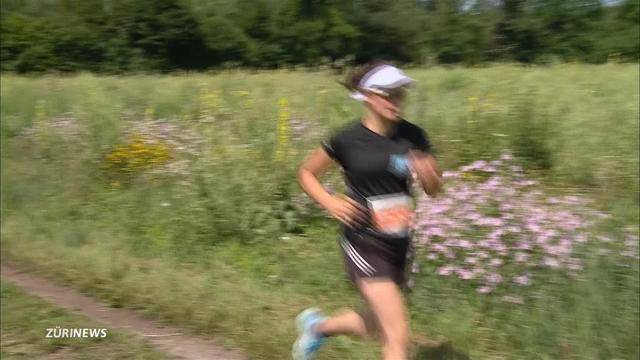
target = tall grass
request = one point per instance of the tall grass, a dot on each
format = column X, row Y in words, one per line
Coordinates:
column 218, row 234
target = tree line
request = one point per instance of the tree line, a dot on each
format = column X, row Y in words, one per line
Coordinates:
column 115, row 36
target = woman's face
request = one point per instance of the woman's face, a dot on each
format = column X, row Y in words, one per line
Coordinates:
column 387, row 105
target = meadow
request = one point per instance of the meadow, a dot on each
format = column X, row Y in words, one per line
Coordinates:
column 176, row 195
column 25, row 320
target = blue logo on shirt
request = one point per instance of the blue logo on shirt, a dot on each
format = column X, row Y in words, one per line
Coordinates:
column 398, row 165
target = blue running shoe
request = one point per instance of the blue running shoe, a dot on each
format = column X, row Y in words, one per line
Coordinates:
column 308, row 342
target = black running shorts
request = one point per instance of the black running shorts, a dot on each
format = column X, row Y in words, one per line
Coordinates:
column 368, row 256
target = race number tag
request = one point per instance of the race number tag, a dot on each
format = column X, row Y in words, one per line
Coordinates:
column 391, row 213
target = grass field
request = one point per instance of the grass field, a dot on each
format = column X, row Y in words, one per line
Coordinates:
column 176, row 195
column 25, row 321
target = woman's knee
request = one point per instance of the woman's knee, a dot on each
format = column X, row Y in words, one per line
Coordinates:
column 396, row 333
column 358, row 320
column 370, row 323
column 388, row 308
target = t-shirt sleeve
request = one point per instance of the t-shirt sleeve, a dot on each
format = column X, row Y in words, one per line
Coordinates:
column 421, row 141
column 333, row 146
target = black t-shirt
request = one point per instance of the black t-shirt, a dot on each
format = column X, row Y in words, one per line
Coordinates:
column 375, row 164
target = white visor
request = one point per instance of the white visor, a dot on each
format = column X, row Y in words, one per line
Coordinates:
column 380, row 78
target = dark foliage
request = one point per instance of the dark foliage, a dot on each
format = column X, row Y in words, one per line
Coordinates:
column 163, row 35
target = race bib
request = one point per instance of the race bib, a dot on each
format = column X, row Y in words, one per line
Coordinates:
column 390, row 214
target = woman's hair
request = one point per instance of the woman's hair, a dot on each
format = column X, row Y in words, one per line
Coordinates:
column 356, row 74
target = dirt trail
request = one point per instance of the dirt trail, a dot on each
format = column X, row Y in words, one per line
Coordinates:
column 168, row 339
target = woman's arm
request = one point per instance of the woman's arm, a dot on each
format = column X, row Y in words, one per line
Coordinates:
column 427, row 171
column 344, row 209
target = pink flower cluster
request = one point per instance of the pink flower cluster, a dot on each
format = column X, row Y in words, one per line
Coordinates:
column 499, row 230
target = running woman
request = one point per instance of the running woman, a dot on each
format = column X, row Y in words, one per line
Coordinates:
column 379, row 154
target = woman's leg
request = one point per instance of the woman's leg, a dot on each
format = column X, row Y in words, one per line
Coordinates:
column 386, row 302
column 348, row 322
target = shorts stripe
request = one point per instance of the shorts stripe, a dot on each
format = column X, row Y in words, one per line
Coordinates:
column 356, row 258
column 357, row 262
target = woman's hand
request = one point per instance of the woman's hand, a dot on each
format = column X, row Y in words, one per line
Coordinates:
column 426, row 169
column 347, row 211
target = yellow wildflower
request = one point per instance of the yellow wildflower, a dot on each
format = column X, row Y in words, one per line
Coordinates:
column 209, row 101
column 283, row 130
column 148, row 112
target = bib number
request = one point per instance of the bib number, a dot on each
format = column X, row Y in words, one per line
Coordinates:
column 391, row 213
